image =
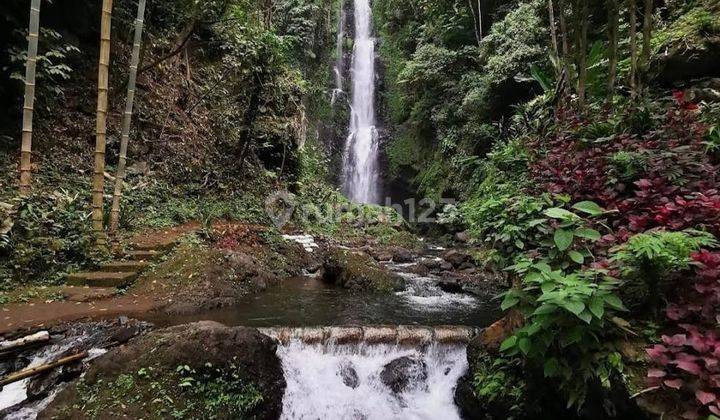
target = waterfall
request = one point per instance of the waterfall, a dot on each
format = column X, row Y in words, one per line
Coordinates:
column 337, row 70
column 351, row 381
column 360, row 160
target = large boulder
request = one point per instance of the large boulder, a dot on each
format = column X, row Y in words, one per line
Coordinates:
column 457, row 258
column 203, row 369
column 403, row 373
column 358, row 271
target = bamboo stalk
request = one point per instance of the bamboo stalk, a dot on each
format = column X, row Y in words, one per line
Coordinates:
column 18, row 376
column 29, row 103
column 127, row 118
column 101, row 126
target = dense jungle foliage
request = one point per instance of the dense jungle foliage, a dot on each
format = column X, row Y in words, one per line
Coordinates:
column 583, row 156
column 580, row 139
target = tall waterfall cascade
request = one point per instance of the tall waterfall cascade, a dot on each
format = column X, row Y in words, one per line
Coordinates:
column 360, row 159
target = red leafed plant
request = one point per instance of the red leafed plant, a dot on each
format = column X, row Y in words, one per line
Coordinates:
column 689, row 361
column 672, row 183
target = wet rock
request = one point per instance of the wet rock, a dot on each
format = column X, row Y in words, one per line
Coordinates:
column 359, row 271
column 419, row 269
column 431, row 263
column 40, row 386
column 450, row 282
column 243, row 351
column 683, row 62
column 403, row 373
column 466, row 266
column 462, row 237
column 444, row 265
column 348, row 374
column 456, row 258
column 401, row 255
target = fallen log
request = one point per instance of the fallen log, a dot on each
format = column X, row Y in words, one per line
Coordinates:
column 26, row 373
column 38, row 337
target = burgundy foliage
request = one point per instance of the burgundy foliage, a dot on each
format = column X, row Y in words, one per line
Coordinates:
column 677, row 187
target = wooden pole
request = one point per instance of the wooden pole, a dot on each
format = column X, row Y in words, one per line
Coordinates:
column 127, row 118
column 29, row 103
column 18, row 376
column 101, row 127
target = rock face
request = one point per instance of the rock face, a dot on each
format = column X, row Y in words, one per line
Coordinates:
column 227, row 279
column 358, row 271
column 348, row 374
column 403, row 373
column 243, row 352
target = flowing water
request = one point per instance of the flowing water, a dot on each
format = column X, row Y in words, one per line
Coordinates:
column 318, row 386
column 338, row 68
column 360, row 160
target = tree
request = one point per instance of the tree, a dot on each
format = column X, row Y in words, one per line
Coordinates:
column 613, row 25
column 582, row 21
column 127, row 117
column 632, row 9
column 553, row 39
column 477, row 21
column 101, row 124
column 29, row 103
column 647, row 34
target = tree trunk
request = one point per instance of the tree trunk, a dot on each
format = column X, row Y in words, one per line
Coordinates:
column 29, row 105
column 127, row 117
column 478, row 37
column 480, row 17
column 582, row 21
column 566, row 44
column 613, row 24
column 632, row 9
column 101, row 127
column 647, row 34
column 553, row 39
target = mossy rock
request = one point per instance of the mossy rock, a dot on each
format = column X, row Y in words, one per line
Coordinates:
column 359, row 271
column 198, row 370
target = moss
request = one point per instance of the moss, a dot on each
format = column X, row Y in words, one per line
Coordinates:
column 155, row 392
column 691, row 30
column 359, row 271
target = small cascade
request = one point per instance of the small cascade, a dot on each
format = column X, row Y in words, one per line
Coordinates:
column 365, row 381
column 337, row 69
column 360, row 160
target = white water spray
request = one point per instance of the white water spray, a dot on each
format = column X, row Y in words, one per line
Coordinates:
column 337, row 70
column 316, row 387
column 360, row 161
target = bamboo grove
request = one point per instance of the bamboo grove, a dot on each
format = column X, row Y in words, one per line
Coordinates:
column 98, row 178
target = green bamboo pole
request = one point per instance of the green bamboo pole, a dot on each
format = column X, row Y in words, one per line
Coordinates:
column 127, row 117
column 101, row 127
column 29, row 104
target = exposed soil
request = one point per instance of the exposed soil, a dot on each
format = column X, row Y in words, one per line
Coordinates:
column 198, row 275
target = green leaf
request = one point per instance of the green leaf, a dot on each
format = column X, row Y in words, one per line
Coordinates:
column 615, row 302
column 509, row 302
column 545, row 309
column 551, row 367
column 508, row 343
column 589, row 207
column 558, row 213
column 574, row 306
column 586, row 316
column 588, row 233
column 597, row 306
column 576, row 256
column 563, row 239
column 524, row 345
column 541, row 77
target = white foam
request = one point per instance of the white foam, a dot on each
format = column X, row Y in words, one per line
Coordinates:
column 315, row 388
